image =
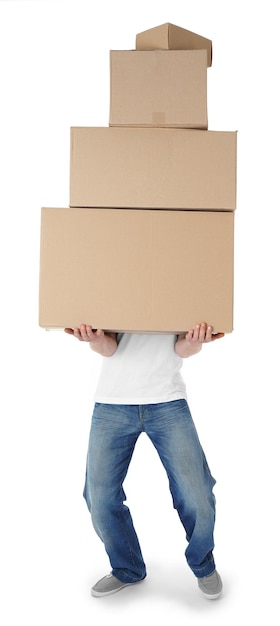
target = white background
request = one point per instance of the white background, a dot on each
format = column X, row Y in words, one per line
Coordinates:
column 54, row 73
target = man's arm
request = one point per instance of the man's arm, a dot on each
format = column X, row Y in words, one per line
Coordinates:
column 190, row 343
column 102, row 342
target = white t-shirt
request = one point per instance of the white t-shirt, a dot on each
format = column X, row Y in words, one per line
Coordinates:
column 145, row 369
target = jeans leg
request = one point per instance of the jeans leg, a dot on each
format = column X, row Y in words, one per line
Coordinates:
column 172, row 431
column 113, row 435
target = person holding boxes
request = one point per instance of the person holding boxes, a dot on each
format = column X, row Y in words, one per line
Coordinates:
column 184, row 177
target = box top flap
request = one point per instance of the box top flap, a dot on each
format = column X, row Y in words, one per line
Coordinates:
column 171, row 37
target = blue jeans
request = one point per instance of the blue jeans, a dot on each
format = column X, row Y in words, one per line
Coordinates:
column 113, row 435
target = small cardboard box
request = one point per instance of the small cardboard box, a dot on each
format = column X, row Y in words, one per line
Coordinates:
column 136, row 270
column 163, row 88
column 157, row 168
column 170, row 37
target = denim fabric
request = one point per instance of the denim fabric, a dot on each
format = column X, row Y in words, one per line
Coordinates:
column 113, row 435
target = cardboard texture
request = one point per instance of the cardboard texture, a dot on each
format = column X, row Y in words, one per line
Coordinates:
column 161, row 88
column 136, row 270
column 171, row 37
column 152, row 168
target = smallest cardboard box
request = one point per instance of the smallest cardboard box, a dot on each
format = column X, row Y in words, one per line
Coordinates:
column 136, row 270
column 170, row 37
column 165, row 88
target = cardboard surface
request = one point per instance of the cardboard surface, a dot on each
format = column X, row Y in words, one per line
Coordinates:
column 171, row 37
column 136, row 270
column 164, row 88
column 152, row 168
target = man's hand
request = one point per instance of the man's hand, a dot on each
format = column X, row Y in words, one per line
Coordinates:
column 191, row 342
column 101, row 342
column 85, row 333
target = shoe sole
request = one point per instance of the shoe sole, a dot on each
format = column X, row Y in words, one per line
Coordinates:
column 212, row 596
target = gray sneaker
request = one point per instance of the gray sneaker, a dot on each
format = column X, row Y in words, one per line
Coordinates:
column 109, row 584
column 211, row 586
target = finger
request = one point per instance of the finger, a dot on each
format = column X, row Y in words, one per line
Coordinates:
column 217, row 336
column 77, row 333
column 84, row 332
column 93, row 333
column 196, row 332
column 99, row 332
column 69, row 331
column 89, row 332
column 208, row 334
column 202, row 332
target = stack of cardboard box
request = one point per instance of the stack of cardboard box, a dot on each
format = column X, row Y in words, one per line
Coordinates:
column 147, row 242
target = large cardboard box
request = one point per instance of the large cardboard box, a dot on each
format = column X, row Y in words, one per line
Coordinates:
column 153, row 168
column 136, row 270
column 171, row 37
column 165, row 88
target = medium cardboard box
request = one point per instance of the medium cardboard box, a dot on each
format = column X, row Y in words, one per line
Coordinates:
column 157, row 168
column 136, row 270
column 163, row 88
column 171, row 37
